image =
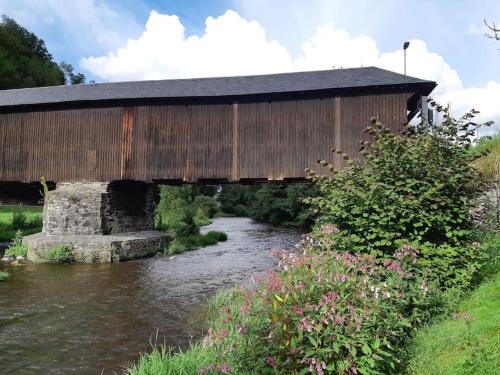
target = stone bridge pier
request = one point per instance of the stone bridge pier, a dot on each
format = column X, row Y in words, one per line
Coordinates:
column 99, row 222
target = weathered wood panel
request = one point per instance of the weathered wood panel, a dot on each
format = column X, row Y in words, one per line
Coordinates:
column 280, row 139
column 356, row 113
column 248, row 140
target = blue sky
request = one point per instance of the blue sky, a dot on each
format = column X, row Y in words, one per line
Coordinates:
column 112, row 40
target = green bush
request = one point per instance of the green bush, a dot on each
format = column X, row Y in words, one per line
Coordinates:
column 282, row 204
column 4, row 275
column 19, row 219
column 277, row 204
column 60, row 255
column 235, row 199
column 175, row 212
column 17, row 248
column 327, row 313
column 417, row 187
column 206, row 204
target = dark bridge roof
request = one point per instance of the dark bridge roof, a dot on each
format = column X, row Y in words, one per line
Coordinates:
column 271, row 84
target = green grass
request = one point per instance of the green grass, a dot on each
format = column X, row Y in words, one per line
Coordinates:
column 195, row 241
column 460, row 346
column 60, row 255
column 162, row 361
column 33, row 221
column 4, row 275
column 30, row 211
column 16, row 250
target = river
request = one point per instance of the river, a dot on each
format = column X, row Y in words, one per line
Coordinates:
column 97, row 318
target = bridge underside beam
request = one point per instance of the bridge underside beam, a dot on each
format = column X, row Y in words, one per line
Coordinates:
column 98, row 222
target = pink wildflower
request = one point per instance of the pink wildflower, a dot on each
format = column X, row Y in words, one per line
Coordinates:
column 224, row 368
column 306, row 325
column 298, row 310
column 271, row 361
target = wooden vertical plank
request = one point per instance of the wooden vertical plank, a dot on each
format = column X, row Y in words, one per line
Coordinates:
column 235, row 139
column 126, row 148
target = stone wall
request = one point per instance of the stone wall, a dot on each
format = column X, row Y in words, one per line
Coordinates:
column 97, row 248
column 100, row 208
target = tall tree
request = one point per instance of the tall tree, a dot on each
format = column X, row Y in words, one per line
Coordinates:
column 24, row 59
column 71, row 77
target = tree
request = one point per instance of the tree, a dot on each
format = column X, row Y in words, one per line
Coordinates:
column 24, row 59
column 70, row 77
column 494, row 32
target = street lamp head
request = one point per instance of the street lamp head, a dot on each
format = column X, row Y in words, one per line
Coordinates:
column 406, row 45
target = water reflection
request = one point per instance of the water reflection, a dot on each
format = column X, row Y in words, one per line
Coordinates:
column 82, row 319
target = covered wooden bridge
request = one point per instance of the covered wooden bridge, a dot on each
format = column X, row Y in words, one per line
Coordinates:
column 107, row 146
column 267, row 127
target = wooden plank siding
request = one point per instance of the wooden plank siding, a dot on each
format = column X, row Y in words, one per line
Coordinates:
column 273, row 140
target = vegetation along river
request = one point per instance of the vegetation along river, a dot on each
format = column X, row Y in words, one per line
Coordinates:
column 84, row 319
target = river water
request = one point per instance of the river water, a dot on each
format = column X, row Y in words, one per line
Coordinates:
column 97, row 318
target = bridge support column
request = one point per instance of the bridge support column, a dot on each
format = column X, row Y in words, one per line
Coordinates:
column 98, row 222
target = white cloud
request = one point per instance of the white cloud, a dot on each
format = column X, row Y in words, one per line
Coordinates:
column 232, row 45
column 89, row 24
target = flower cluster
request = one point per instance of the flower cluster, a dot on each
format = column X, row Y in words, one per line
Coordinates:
column 327, row 312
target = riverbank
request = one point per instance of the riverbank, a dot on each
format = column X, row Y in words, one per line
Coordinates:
column 86, row 318
column 28, row 219
column 467, row 342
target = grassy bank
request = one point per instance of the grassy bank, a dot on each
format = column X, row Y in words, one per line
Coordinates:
column 195, row 241
column 466, row 343
column 14, row 218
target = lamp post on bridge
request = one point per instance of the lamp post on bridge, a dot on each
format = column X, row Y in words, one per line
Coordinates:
column 405, row 47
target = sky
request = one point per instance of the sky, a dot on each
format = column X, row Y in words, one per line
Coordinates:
column 123, row 40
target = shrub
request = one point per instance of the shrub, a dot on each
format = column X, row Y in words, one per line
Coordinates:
column 4, row 275
column 200, row 219
column 19, row 219
column 283, row 204
column 60, row 254
column 417, row 187
column 328, row 312
column 17, row 248
column 207, row 205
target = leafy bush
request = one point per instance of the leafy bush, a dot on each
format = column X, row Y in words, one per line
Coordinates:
column 181, row 212
column 278, row 204
column 328, row 312
column 60, row 254
column 488, row 165
column 206, row 204
column 4, row 275
column 19, row 219
column 283, row 204
column 17, row 248
column 416, row 187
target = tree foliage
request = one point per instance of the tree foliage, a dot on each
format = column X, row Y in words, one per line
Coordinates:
column 417, row 187
column 71, row 78
column 24, row 59
column 278, row 204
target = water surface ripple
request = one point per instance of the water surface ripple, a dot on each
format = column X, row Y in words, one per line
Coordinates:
column 84, row 319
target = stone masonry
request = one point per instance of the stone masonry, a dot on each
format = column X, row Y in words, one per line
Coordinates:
column 99, row 222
